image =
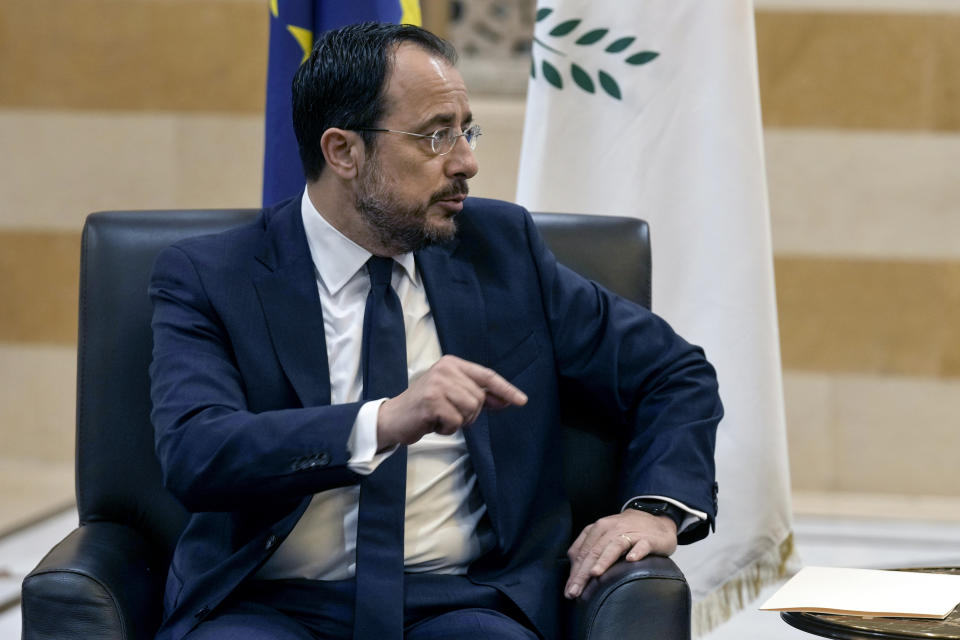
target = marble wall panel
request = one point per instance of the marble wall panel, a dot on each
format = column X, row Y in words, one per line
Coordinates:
column 181, row 55
column 39, row 279
column 58, row 166
column 867, row 194
column 898, row 435
column 869, row 316
column 37, row 402
column 859, row 70
column 891, row 435
column 811, row 436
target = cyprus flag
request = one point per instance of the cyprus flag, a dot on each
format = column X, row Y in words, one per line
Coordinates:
column 650, row 109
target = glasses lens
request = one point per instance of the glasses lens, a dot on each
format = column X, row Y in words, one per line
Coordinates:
column 471, row 135
column 442, row 140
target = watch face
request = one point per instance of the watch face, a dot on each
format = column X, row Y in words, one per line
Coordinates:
column 649, row 507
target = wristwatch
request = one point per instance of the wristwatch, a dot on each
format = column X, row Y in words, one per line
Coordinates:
column 659, row 508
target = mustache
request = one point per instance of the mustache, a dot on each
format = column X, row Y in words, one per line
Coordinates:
column 456, row 188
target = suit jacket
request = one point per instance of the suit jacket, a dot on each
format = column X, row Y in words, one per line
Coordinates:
column 245, row 431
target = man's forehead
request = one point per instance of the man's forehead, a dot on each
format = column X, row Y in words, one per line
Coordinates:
column 423, row 79
column 413, row 63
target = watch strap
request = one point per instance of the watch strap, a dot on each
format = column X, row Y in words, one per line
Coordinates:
column 659, row 508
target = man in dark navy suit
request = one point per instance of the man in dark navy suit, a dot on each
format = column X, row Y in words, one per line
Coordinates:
column 327, row 505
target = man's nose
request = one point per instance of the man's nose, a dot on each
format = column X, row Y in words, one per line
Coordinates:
column 461, row 161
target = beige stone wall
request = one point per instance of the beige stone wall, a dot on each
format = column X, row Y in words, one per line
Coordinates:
column 158, row 104
column 862, row 114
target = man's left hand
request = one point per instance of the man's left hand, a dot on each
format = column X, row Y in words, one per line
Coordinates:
column 634, row 533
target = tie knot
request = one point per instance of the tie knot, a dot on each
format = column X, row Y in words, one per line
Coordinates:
column 380, row 270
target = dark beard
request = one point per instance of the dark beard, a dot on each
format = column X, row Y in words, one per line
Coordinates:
column 398, row 227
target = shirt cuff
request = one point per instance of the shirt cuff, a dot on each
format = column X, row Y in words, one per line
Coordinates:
column 362, row 444
column 693, row 516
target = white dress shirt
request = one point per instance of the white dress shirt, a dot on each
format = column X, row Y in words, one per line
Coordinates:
column 444, row 528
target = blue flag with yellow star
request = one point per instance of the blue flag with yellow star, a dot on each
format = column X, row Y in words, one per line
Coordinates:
column 293, row 24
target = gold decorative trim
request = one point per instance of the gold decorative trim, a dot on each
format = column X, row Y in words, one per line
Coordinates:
column 743, row 588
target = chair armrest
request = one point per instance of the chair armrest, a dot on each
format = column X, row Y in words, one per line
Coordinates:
column 644, row 599
column 98, row 582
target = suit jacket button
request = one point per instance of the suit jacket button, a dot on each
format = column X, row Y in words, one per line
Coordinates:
column 202, row 613
column 271, row 542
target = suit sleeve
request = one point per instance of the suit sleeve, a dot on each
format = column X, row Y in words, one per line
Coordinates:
column 630, row 364
column 215, row 454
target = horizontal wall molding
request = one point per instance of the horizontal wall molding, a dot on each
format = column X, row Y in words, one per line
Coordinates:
column 863, row 6
column 903, row 507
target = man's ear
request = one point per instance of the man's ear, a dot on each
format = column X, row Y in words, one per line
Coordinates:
column 342, row 151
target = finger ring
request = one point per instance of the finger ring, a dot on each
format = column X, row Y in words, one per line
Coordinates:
column 627, row 538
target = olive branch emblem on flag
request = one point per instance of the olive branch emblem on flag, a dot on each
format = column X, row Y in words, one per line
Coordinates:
column 581, row 77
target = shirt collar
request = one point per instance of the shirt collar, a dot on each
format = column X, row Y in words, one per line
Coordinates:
column 342, row 257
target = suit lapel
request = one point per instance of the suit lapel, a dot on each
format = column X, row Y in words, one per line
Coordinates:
column 455, row 301
column 291, row 305
column 458, row 312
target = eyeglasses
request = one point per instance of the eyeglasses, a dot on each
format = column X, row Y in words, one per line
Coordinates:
column 442, row 140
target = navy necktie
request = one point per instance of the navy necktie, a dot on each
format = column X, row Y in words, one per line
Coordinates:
column 379, row 600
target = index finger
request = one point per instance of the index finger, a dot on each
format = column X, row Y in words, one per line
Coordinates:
column 503, row 393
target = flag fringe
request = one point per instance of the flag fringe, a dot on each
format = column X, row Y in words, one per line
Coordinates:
column 744, row 587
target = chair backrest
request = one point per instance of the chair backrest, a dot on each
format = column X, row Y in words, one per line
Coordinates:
column 118, row 477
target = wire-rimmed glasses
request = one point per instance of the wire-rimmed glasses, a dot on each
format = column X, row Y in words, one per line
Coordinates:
column 442, row 140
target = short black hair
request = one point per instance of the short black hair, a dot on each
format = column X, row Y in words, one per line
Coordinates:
column 343, row 81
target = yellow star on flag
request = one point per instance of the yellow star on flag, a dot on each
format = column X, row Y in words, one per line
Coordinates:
column 411, row 12
column 304, row 38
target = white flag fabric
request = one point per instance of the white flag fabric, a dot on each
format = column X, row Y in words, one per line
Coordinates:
column 651, row 109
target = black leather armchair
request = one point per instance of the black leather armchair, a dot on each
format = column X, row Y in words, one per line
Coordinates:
column 105, row 579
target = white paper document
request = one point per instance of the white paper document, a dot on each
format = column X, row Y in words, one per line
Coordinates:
column 868, row 592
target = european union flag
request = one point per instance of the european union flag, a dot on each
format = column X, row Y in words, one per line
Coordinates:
column 292, row 26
